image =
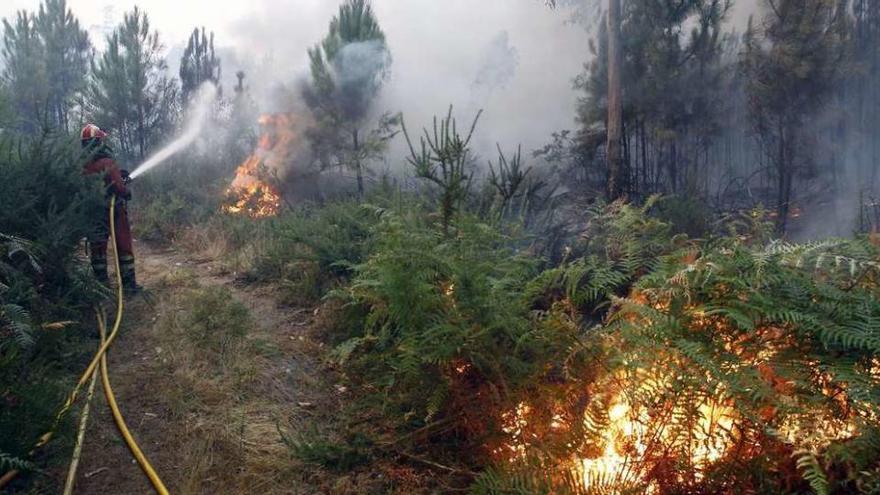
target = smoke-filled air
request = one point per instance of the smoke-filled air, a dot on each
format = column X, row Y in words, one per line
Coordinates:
column 198, row 114
column 574, row 247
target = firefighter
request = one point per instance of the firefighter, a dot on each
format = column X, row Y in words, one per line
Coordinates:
column 100, row 161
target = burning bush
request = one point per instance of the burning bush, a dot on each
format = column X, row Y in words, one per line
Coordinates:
column 645, row 363
column 251, row 192
column 254, row 190
column 726, row 368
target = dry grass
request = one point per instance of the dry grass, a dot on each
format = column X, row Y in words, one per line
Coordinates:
column 230, row 242
column 213, row 361
column 215, row 379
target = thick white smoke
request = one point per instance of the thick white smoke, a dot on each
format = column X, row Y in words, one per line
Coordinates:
column 498, row 67
column 515, row 59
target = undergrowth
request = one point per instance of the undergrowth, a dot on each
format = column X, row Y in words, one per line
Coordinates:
column 623, row 349
column 474, row 354
column 46, row 292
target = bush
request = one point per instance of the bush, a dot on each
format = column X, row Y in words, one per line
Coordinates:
column 178, row 195
column 445, row 334
column 217, row 322
column 46, row 208
column 310, row 249
column 750, row 366
column 722, row 367
column 685, row 215
column 782, row 338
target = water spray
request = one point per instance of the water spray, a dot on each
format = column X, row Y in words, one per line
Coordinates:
column 198, row 117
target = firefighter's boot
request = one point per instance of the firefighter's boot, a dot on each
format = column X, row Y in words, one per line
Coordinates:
column 99, row 263
column 129, row 278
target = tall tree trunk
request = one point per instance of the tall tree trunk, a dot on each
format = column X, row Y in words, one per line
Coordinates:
column 783, row 193
column 644, row 149
column 141, row 131
column 357, row 164
column 615, row 103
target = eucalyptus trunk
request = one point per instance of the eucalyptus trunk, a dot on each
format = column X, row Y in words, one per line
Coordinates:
column 614, row 153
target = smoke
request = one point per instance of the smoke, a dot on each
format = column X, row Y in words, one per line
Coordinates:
column 198, row 114
column 515, row 59
column 358, row 71
column 497, row 68
column 443, row 53
column 361, row 63
column 742, row 10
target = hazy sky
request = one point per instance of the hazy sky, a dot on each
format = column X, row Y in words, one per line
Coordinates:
column 439, row 48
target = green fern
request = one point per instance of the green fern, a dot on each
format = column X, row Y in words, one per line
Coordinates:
column 809, row 466
column 459, row 328
column 8, row 462
column 17, row 321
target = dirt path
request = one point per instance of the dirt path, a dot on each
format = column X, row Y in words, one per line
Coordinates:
column 209, row 410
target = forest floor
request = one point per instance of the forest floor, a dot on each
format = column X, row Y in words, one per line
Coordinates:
column 214, row 414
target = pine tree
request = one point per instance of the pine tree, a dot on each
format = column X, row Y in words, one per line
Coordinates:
column 670, row 97
column 348, row 69
column 131, row 93
column 25, row 70
column 68, row 54
column 6, row 111
column 199, row 63
column 47, row 58
column 792, row 63
column 243, row 113
column 863, row 97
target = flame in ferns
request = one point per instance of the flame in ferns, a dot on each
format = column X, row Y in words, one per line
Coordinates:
column 250, row 195
column 652, row 428
column 251, row 192
column 637, row 437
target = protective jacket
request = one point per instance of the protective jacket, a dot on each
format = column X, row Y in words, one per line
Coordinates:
column 102, row 162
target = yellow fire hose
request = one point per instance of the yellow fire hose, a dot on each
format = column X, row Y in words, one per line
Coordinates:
column 108, row 391
column 80, row 436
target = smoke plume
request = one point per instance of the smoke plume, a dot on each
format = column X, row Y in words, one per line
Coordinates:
column 358, row 71
column 515, row 59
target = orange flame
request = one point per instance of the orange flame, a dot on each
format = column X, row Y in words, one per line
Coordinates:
column 250, row 192
column 634, row 433
column 250, row 195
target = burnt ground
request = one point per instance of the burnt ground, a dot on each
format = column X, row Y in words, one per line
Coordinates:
column 215, row 423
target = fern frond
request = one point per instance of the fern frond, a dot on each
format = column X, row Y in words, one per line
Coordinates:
column 808, row 465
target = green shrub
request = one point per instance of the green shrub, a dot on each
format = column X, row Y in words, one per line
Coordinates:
column 685, row 215
column 46, row 289
column 309, row 249
column 184, row 192
column 445, row 334
column 312, row 448
column 163, row 217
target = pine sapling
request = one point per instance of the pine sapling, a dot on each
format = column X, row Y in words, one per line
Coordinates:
column 443, row 158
